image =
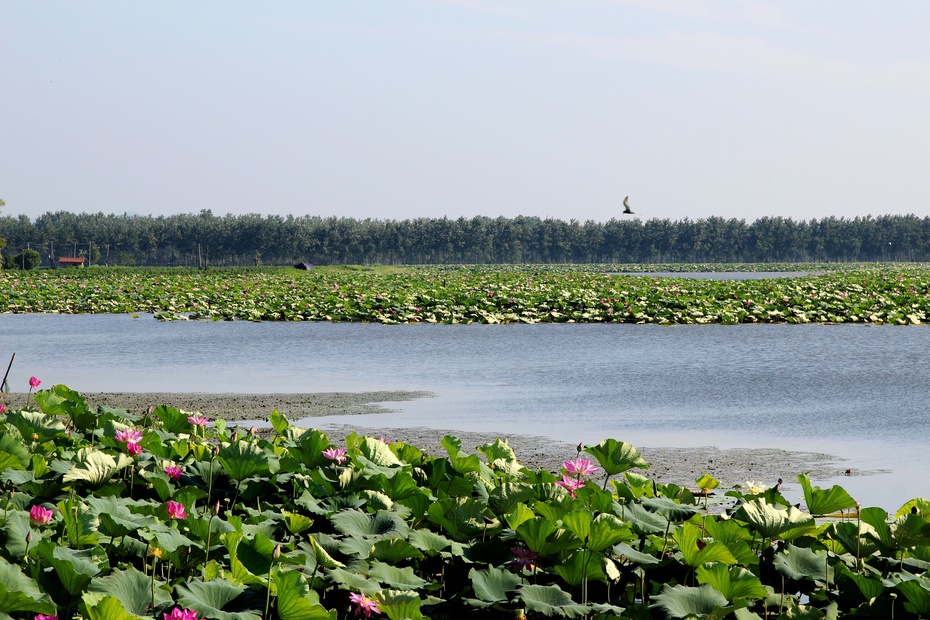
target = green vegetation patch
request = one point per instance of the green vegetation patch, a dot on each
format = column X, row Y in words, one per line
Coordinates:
column 172, row 516
column 518, row 294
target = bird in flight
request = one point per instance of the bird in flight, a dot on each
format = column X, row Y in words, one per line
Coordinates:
column 626, row 206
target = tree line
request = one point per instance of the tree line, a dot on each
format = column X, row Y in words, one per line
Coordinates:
column 205, row 239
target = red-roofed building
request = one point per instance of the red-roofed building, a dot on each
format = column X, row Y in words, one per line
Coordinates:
column 65, row 261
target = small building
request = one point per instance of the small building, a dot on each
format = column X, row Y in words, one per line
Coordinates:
column 65, row 261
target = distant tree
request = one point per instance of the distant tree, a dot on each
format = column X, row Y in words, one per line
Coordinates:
column 27, row 259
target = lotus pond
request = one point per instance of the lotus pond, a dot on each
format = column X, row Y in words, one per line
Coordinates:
column 528, row 294
column 169, row 515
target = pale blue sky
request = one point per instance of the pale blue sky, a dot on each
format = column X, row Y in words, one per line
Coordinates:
column 428, row 108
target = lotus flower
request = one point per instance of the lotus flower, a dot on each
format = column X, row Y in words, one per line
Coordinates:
column 2, row 407
column 176, row 510
column 129, row 436
column 34, row 383
column 181, row 614
column 336, row 454
column 524, row 558
column 46, row 617
column 39, row 515
column 571, row 484
column 364, row 605
column 133, row 448
column 579, row 467
column 756, row 488
column 173, row 472
column 198, row 420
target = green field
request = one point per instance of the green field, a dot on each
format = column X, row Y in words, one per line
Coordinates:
column 895, row 294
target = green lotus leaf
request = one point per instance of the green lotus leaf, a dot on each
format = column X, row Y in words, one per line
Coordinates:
column 461, row 462
column 75, row 568
column 400, row 604
column 62, row 400
column 917, row 592
column 244, row 459
column 133, row 589
column 707, row 483
column 734, row 582
column 296, row 601
column 13, row 446
column 322, row 556
column 505, row 497
column 518, row 515
column 394, row 551
column 36, row 426
column 880, row 533
column 541, row 536
column 683, row 601
column 19, row 593
column 581, row 566
column 642, row 521
column 639, row 485
column 278, row 422
column 499, row 450
column 606, row 531
column 821, row 502
column 173, row 420
column 808, row 612
column 492, row 584
column 116, row 518
column 100, row 606
column 381, row 524
column 378, row 452
column 670, row 509
column 95, row 467
column 550, row 601
column 461, row 517
column 637, row 557
column 616, row 456
column 394, row 577
column 353, row 580
column 210, row 599
column 81, row 525
column 911, row 530
column 578, row 522
column 802, row 563
column 400, row 485
column 774, row 522
column 694, row 554
column 15, row 531
column 869, row 587
column 308, row 448
column 921, row 505
column 429, row 542
column 854, row 538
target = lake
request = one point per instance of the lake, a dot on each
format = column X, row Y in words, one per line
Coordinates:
column 859, row 392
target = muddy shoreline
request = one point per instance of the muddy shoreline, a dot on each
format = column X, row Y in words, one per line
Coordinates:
column 667, row 464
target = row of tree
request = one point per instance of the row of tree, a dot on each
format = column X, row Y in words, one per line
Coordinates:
column 206, row 239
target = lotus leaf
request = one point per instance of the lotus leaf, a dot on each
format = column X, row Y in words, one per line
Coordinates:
column 616, row 456
column 802, row 563
column 733, row 582
column 133, row 589
column 821, row 502
column 99, row 606
column 493, row 585
column 296, row 601
column 19, row 593
column 550, row 601
column 773, row 522
column 211, row 599
column 400, row 604
column 683, row 601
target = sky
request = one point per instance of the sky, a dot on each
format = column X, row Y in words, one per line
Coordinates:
column 430, row 108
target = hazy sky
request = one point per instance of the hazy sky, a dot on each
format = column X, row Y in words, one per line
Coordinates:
column 430, row 108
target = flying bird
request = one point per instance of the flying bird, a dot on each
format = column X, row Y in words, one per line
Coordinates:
column 626, row 206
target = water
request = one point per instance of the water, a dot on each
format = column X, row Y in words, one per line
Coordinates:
column 858, row 392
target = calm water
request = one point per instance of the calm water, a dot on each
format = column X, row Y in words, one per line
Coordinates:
column 859, row 392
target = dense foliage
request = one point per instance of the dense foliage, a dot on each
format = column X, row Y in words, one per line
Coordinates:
column 897, row 295
column 206, row 239
column 109, row 515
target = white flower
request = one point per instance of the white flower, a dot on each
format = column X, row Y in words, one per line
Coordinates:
column 756, row 488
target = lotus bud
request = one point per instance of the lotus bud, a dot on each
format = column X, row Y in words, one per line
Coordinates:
column 277, row 551
column 29, row 537
column 580, row 446
column 216, row 508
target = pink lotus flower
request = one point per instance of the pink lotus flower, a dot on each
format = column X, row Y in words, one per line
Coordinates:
column 2, row 407
column 571, row 484
column 336, row 454
column 579, row 467
column 173, row 472
column 364, row 605
column 39, row 515
column 181, row 614
column 129, row 436
column 46, row 617
column 34, row 383
column 176, row 510
column 133, row 449
column 198, row 420
column 524, row 558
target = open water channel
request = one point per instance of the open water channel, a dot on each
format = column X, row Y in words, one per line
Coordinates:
column 858, row 392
